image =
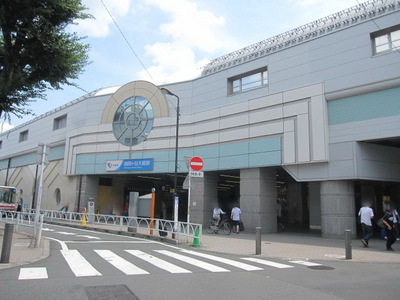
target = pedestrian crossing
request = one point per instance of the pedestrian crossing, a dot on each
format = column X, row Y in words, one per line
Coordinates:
column 137, row 262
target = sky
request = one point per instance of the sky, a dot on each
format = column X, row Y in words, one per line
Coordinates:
column 166, row 41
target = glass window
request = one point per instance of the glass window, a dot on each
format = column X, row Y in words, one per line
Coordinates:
column 248, row 81
column 60, row 122
column 386, row 40
column 57, row 196
column 23, row 136
column 133, row 121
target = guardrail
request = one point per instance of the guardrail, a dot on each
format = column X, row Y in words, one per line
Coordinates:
column 146, row 226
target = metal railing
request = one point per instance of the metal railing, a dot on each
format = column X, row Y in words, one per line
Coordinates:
column 146, row 226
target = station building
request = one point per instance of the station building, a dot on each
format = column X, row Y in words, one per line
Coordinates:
column 308, row 119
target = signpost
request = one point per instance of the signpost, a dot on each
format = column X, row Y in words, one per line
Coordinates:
column 196, row 164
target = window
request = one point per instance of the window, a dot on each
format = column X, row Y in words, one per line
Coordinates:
column 60, row 122
column 133, row 121
column 248, row 81
column 57, row 196
column 23, row 136
column 386, row 40
column 1, row 144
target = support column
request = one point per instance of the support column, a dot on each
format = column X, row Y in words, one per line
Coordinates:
column 204, row 196
column 337, row 209
column 258, row 198
column 315, row 205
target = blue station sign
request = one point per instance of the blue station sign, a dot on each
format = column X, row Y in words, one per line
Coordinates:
column 144, row 164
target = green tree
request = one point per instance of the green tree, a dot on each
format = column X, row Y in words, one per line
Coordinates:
column 36, row 51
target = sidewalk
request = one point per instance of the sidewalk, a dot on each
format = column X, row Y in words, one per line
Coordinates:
column 286, row 245
column 21, row 253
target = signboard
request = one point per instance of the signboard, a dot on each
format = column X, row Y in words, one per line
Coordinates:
column 196, row 163
column 196, row 174
column 129, row 164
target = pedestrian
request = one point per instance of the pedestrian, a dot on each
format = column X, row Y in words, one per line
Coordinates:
column 390, row 232
column 396, row 221
column 19, row 204
column 280, row 215
column 366, row 215
column 236, row 216
column 217, row 212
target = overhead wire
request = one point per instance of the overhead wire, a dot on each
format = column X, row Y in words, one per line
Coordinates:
column 126, row 40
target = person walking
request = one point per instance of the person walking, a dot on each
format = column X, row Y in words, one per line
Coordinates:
column 366, row 214
column 236, row 215
column 390, row 231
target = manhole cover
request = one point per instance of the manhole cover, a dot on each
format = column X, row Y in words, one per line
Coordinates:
column 320, row 268
column 110, row 292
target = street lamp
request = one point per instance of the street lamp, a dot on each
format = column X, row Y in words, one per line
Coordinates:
column 176, row 197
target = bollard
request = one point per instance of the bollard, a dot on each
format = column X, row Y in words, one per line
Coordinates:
column 258, row 240
column 7, row 241
column 347, row 242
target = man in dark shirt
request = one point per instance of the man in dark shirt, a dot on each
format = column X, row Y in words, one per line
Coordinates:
column 390, row 232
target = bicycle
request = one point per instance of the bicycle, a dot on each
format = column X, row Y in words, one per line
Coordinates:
column 211, row 226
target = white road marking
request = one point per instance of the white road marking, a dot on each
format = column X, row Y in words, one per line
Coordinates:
column 65, row 233
column 192, row 261
column 78, row 264
column 230, row 262
column 89, row 237
column 32, row 273
column 120, row 263
column 162, row 264
column 268, row 263
column 47, row 229
column 305, row 263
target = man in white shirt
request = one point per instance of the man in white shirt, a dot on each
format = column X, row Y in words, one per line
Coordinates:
column 366, row 214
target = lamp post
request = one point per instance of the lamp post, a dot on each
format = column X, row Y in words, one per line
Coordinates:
column 176, row 197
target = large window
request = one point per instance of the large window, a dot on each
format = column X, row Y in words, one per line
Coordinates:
column 248, row 81
column 386, row 40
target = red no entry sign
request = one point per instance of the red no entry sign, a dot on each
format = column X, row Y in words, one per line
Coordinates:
column 196, row 163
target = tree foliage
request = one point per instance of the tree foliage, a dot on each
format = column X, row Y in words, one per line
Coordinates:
column 36, row 51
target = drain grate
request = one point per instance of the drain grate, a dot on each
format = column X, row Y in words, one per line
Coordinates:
column 325, row 268
column 110, row 292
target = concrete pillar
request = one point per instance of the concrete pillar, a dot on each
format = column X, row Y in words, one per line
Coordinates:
column 258, row 196
column 295, row 203
column 315, row 205
column 337, row 209
column 204, row 195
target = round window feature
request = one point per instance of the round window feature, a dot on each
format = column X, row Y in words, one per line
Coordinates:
column 133, row 121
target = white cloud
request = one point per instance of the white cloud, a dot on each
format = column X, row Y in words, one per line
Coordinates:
column 100, row 25
column 198, row 28
column 190, row 33
column 5, row 126
column 172, row 62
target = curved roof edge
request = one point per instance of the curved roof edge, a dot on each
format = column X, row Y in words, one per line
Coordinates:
column 348, row 17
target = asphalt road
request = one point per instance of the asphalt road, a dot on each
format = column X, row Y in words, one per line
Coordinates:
column 93, row 265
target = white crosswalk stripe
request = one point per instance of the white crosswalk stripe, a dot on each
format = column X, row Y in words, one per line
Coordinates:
column 81, row 267
column 268, row 263
column 230, row 262
column 78, row 264
column 162, row 264
column 305, row 263
column 192, row 261
column 120, row 263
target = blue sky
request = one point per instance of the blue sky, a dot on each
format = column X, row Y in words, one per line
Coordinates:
column 174, row 39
